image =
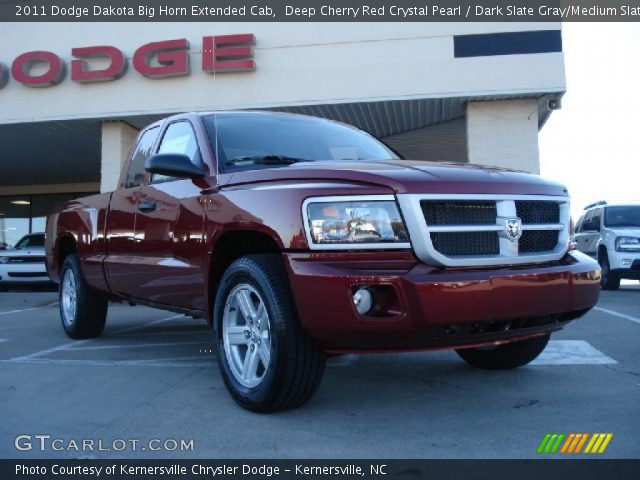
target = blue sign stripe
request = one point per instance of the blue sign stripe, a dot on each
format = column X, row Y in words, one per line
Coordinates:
column 511, row 43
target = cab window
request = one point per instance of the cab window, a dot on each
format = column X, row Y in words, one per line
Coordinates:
column 589, row 217
column 136, row 172
column 585, row 220
column 179, row 138
column 597, row 218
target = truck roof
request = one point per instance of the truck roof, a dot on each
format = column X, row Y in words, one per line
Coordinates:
column 239, row 112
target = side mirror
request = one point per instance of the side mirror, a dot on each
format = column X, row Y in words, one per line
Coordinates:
column 173, row 165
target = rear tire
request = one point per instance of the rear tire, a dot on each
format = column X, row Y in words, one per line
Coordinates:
column 268, row 362
column 507, row 356
column 608, row 280
column 82, row 311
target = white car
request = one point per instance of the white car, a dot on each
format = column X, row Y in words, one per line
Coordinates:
column 611, row 234
column 24, row 263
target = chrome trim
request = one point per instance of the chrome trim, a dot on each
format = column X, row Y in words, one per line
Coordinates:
column 542, row 226
column 349, row 246
column 420, row 232
column 465, row 228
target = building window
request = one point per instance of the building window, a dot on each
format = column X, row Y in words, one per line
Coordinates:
column 24, row 214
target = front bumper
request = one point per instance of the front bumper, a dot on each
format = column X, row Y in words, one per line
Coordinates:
column 429, row 307
column 23, row 273
column 625, row 264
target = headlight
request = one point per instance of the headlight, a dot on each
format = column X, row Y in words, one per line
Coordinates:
column 354, row 222
column 4, row 259
column 627, row 244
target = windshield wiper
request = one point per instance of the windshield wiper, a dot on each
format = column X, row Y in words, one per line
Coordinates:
column 266, row 160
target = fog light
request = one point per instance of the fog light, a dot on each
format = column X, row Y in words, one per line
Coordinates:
column 626, row 262
column 363, row 301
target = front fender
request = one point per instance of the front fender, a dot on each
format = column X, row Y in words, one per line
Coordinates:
column 275, row 208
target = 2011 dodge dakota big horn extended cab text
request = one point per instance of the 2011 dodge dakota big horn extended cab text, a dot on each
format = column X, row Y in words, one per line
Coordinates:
column 298, row 237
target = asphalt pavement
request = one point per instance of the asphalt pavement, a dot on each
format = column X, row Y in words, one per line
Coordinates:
column 150, row 388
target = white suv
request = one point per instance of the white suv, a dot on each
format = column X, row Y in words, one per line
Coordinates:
column 611, row 234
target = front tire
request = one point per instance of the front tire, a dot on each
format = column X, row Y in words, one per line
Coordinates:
column 268, row 362
column 507, row 356
column 83, row 312
column 608, row 280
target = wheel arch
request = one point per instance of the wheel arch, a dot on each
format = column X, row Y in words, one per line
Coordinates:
column 228, row 247
column 66, row 245
column 602, row 250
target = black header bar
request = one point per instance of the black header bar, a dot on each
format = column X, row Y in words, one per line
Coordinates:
column 319, row 10
column 318, row 469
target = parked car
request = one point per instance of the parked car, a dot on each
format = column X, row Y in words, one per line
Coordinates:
column 611, row 233
column 24, row 264
column 298, row 237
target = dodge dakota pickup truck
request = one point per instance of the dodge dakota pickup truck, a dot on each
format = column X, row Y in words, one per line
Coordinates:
column 299, row 238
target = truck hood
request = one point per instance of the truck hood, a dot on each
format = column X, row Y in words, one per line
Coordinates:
column 626, row 231
column 406, row 176
column 23, row 252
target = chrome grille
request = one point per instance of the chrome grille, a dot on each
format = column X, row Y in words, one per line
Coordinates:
column 26, row 259
column 466, row 243
column 532, row 211
column 459, row 213
column 537, row 241
column 476, row 230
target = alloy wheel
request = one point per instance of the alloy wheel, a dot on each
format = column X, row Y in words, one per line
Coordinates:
column 246, row 335
column 69, row 297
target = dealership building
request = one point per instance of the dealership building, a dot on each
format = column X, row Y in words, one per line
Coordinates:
column 74, row 95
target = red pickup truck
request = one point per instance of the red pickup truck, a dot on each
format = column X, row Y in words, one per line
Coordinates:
column 298, row 237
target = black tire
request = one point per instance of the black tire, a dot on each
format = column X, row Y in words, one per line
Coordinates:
column 608, row 280
column 91, row 309
column 296, row 363
column 507, row 356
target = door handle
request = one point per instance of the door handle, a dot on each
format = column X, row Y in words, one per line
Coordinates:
column 147, row 206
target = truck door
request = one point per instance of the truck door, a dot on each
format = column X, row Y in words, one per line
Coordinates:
column 169, row 228
column 581, row 238
column 588, row 232
column 120, row 263
column 594, row 233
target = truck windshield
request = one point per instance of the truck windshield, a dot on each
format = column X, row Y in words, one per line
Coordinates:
column 29, row 241
column 263, row 140
column 623, row 216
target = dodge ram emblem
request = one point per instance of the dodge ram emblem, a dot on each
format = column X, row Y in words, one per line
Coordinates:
column 513, row 228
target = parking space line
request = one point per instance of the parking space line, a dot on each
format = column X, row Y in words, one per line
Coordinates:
column 617, row 314
column 65, row 346
column 135, row 334
column 136, row 345
column 572, row 352
column 23, row 310
column 160, row 362
column 148, row 324
column 347, row 360
column 50, row 350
